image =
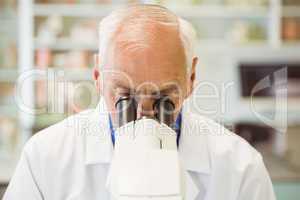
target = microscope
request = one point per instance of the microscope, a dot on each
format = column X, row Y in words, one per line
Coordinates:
column 145, row 163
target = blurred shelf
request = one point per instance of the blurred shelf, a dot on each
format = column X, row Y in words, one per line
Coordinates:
column 197, row 11
column 223, row 45
column 280, row 170
column 63, row 74
column 220, row 11
column 291, row 44
column 207, row 44
column 78, row 74
column 7, row 167
column 246, row 48
column 65, row 44
column 8, row 75
column 9, row 22
column 263, row 44
column 73, row 10
column 8, row 162
column 9, row 110
column 291, row 11
column 8, row 14
column 45, row 120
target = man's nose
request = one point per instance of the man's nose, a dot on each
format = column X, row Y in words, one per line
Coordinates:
column 145, row 108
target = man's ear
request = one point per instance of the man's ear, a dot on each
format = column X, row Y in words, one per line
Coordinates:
column 192, row 75
column 96, row 72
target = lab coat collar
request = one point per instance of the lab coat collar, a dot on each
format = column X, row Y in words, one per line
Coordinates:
column 193, row 144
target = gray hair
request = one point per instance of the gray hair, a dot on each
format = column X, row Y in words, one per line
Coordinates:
column 139, row 14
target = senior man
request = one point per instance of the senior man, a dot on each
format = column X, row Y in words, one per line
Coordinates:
column 147, row 52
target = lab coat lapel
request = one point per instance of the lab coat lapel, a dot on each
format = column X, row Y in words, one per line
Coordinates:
column 98, row 142
column 193, row 144
column 191, row 189
column 194, row 153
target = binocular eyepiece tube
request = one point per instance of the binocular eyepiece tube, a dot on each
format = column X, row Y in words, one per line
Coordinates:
column 164, row 110
column 127, row 110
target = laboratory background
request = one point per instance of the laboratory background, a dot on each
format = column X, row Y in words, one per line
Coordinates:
column 47, row 50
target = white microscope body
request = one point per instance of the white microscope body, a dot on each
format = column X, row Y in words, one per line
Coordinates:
column 145, row 164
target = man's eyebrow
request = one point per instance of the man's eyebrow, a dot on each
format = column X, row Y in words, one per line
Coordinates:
column 120, row 84
column 169, row 88
column 165, row 88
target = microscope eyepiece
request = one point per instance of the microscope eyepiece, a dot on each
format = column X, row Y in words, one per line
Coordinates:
column 164, row 110
column 126, row 109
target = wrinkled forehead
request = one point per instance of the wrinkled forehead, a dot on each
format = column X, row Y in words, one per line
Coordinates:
column 156, row 64
column 140, row 62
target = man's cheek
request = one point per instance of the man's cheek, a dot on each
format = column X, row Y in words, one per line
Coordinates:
column 109, row 101
column 113, row 114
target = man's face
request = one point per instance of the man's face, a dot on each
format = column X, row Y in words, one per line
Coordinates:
column 145, row 74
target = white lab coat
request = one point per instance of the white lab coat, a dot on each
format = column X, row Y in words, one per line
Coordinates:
column 70, row 161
